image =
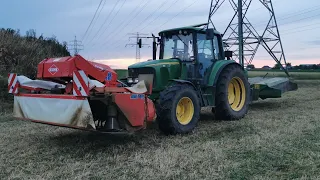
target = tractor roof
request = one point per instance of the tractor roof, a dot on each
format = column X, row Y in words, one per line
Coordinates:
column 195, row 28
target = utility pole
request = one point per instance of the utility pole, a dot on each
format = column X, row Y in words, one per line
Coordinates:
column 138, row 44
column 240, row 32
column 75, row 46
column 243, row 39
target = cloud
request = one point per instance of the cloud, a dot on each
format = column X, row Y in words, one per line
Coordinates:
column 314, row 42
column 66, row 19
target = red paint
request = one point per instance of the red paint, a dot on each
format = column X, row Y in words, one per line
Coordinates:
column 83, row 84
column 16, row 86
column 151, row 110
column 69, row 88
column 67, row 65
column 31, row 88
column 11, row 82
column 135, row 110
column 55, row 96
column 76, row 89
column 111, row 89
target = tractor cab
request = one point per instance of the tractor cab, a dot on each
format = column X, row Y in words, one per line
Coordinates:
column 185, row 53
column 197, row 49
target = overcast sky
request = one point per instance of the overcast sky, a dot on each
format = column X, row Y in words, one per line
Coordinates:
column 299, row 24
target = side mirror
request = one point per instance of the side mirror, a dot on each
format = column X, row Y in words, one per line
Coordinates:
column 228, row 54
column 140, row 43
column 209, row 34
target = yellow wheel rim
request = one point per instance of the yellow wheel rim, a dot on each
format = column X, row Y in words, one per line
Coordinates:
column 236, row 94
column 184, row 110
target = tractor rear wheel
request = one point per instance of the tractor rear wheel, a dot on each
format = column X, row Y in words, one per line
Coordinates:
column 178, row 109
column 232, row 94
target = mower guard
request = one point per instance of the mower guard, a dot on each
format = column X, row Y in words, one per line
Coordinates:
column 59, row 110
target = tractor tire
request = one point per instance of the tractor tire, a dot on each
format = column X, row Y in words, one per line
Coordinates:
column 178, row 109
column 232, row 94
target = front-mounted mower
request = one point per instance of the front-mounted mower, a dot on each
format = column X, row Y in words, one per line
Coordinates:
column 76, row 93
column 193, row 71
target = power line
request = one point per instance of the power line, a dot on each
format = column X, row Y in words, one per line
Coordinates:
column 115, row 15
column 306, row 9
column 144, row 6
column 175, row 16
column 160, row 14
column 288, row 17
column 114, row 30
column 286, row 30
column 171, row 18
column 104, row 3
column 151, row 14
column 92, row 20
column 171, row 5
column 105, row 21
column 303, row 30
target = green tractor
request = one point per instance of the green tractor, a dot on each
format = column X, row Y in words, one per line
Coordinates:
column 193, row 71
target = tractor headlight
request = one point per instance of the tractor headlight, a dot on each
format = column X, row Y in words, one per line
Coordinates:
column 130, row 80
column 136, row 80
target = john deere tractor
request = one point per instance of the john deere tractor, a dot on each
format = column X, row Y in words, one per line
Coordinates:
column 194, row 71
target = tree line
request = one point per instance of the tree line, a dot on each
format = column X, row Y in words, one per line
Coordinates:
column 289, row 66
column 22, row 53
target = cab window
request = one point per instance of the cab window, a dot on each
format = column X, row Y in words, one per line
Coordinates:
column 178, row 46
column 205, row 49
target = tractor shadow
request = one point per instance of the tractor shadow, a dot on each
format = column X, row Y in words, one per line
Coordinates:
column 78, row 143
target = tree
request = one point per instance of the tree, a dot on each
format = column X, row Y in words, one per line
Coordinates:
column 277, row 66
column 250, row 66
column 288, row 66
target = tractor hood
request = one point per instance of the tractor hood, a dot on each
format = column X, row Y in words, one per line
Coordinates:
column 155, row 63
column 163, row 71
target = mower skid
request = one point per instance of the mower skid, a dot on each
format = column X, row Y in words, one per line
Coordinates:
column 59, row 110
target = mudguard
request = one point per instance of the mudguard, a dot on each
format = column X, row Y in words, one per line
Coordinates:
column 217, row 69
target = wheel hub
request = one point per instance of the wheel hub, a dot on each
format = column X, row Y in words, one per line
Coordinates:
column 236, row 94
column 185, row 110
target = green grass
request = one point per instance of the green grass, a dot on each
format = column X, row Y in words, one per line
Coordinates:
column 278, row 139
column 122, row 73
column 302, row 75
column 296, row 75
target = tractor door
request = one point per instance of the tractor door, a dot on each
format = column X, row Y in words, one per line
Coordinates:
column 182, row 47
column 208, row 52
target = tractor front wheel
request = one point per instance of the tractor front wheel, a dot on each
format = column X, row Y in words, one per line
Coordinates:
column 232, row 94
column 178, row 109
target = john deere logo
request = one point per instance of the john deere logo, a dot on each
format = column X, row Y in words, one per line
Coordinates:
column 53, row 69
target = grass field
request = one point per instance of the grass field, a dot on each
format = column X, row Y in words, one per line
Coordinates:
column 278, row 139
column 296, row 75
column 122, row 73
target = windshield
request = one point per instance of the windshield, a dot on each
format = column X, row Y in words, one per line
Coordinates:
column 178, row 46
